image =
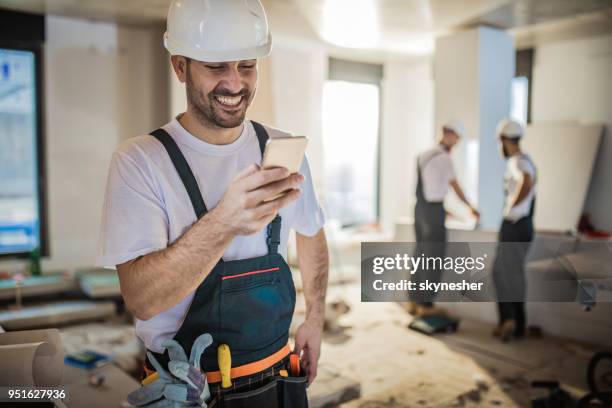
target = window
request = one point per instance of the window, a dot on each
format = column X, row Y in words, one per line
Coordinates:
column 351, row 107
column 520, row 99
column 520, row 105
column 20, row 152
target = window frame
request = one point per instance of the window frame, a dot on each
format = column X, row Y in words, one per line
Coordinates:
column 524, row 68
column 37, row 50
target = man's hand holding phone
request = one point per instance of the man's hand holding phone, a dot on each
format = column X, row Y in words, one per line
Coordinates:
column 244, row 209
column 256, row 195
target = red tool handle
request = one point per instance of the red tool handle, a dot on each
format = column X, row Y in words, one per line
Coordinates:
column 294, row 364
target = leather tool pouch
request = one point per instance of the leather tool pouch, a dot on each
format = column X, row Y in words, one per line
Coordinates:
column 276, row 392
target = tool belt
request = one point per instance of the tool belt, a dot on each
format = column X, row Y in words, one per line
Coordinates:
column 236, row 372
column 264, row 383
column 271, row 388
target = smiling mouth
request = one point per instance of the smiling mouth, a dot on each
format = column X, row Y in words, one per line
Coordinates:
column 229, row 101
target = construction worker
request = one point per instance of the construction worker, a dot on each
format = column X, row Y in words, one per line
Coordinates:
column 516, row 232
column 197, row 245
column 435, row 175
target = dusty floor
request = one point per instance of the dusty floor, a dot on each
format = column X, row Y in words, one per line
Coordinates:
column 397, row 367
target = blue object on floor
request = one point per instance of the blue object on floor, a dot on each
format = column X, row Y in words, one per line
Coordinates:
column 434, row 324
column 86, row 359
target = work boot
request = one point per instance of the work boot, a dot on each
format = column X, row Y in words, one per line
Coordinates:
column 426, row 311
column 505, row 331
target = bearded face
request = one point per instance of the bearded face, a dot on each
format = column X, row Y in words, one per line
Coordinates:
column 220, row 93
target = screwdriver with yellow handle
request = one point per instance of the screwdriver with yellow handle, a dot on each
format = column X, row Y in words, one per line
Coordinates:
column 224, row 358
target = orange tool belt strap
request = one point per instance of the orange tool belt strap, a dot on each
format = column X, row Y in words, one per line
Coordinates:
column 236, row 372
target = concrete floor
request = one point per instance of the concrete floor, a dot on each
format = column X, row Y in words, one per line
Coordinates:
column 397, row 367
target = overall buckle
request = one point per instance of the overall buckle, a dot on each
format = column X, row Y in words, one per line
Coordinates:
column 273, row 234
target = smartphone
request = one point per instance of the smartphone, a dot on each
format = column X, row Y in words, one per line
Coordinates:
column 287, row 152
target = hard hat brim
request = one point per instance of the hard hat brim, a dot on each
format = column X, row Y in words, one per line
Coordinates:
column 261, row 51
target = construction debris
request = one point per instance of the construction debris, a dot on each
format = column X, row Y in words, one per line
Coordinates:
column 333, row 311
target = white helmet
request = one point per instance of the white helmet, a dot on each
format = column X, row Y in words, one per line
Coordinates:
column 509, row 128
column 456, row 126
column 218, row 30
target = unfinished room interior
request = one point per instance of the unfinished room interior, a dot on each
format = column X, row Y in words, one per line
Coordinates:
column 350, row 203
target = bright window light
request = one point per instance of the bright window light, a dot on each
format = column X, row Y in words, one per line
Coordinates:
column 350, row 142
column 520, row 99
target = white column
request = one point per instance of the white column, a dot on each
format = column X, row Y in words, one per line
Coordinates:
column 473, row 72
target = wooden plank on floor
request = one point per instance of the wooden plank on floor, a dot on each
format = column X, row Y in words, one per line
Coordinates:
column 100, row 285
column 35, row 286
column 54, row 314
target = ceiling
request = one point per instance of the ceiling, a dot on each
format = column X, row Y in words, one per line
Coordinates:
column 403, row 26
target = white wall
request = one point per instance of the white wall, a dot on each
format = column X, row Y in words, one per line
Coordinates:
column 102, row 84
column 407, row 129
column 571, row 83
column 298, row 72
column 142, row 80
column 457, row 77
column 81, row 132
column 561, row 188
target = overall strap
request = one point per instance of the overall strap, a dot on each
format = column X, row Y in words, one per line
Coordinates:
column 535, row 178
column 420, row 166
column 184, row 171
column 274, row 227
column 262, row 136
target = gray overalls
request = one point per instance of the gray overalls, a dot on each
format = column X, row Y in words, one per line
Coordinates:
column 509, row 266
column 430, row 231
column 247, row 304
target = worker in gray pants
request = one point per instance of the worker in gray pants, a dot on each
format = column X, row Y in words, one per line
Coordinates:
column 516, row 232
column 435, row 174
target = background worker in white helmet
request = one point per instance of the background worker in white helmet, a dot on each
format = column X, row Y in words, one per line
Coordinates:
column 435, row 176
column 516, row 232
column 199, row 247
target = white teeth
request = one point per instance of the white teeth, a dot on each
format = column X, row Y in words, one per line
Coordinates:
column 229, row 100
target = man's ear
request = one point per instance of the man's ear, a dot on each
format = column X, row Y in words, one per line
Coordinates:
column 179, row 64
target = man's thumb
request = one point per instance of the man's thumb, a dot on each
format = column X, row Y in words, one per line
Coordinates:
column 299, row 346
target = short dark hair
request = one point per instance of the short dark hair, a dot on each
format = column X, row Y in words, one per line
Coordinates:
column 512, row 140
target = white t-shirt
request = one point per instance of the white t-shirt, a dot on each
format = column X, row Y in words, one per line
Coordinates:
column 436, row 173
column 147, row 207
column 515, row 167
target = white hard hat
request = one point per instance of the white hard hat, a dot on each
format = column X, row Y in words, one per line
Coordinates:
column 509, row 128
column 217, row 30
column 456, row 126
